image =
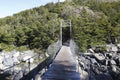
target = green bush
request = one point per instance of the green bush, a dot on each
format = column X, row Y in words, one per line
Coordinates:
column 7, row 47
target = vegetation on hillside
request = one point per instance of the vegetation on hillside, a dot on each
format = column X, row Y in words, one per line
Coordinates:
column 93, row 23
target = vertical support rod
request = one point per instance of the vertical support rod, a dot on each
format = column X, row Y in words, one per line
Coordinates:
column 60, row 32
column 29, row 64
column 70, row 30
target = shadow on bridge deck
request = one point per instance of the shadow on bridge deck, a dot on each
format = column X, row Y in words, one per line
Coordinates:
column 63, row 67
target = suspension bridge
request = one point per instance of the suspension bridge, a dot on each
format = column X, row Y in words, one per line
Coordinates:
column 65, row 62
column 61, row 65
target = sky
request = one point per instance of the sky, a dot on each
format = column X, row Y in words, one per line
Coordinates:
column 10, row 7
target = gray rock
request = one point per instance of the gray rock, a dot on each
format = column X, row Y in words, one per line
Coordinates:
column 8, row 62
column 112, row 62
column 1, row 59
column 114, row 48
column 99, row 56
column 28, row 59
column 90, row 50
column 93, row 60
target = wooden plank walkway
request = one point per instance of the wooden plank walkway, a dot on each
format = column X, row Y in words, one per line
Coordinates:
column 63, row 67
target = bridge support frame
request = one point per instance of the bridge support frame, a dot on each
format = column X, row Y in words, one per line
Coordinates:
column 63, row 24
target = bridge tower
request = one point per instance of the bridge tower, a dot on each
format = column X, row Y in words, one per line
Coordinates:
column 65, row 31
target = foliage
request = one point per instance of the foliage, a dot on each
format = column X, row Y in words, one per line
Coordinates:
column 93, row 23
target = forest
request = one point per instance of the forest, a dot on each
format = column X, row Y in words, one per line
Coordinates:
column 93, row 23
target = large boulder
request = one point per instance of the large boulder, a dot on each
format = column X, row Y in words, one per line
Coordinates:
column 16, row 57
column 28, row 59
column 27, row 56
column 16, row 54
column 90, row 50
column 112, row 62
column 114, row 48
column 99, row 57
column 7, row 62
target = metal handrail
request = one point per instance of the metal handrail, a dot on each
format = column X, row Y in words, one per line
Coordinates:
column 19, row 63
column 41, row 66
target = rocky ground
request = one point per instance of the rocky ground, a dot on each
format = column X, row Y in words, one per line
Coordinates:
column 95, row 64
column 14, row 62
column 99, row 65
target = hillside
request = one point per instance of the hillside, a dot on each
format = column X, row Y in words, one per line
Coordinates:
column 93, row 23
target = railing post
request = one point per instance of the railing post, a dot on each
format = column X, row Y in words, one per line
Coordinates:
column 60, row 32
column 29, row 64
column 70, row 30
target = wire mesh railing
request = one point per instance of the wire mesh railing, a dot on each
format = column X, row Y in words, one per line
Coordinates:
column 51, row 52
column 27, row 70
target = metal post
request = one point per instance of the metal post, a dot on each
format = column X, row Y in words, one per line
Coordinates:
column 13, row 64
column 70, row 30
column 60, row 32
column 29, row 64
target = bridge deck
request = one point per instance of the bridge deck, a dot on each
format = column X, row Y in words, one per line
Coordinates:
column 63, row 67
